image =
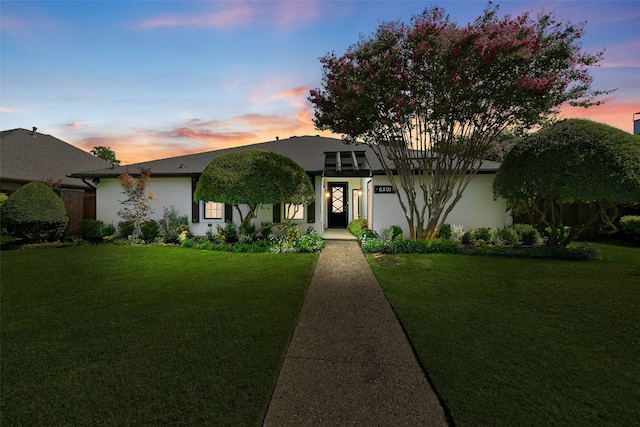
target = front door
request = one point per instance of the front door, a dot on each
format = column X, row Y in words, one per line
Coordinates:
column 338, row 205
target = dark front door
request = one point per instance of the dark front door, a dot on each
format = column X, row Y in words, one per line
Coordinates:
column 338, row 205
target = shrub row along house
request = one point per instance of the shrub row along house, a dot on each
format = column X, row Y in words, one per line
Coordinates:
column 349, row 182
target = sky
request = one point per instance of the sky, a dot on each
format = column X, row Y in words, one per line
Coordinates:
column 156, row 79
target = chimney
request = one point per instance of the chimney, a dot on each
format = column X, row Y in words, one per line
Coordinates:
column 277, row 138
column 33, row 132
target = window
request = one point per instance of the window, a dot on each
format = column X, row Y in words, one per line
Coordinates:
column 294, row 211
column 213, row 210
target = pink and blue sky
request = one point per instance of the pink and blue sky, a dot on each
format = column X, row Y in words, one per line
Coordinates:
column 154, row 79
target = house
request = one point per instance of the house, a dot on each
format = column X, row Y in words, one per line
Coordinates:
column 27, row 156
column 349, row 183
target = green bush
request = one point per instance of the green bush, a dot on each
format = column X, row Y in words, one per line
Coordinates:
column 400, row 245
column 171, row 220
column 443, row 246
column 373, row 245
column 108, row 230
column 91, row 229
column 468, row 237
column 485, row 234
column 396, row 231
column 445, row 232
column 507, row 236
column 527, row 233
column 150, row 230
column 311, row 242
column 34, row 210
column 126, row 229
column 358, row 226
column 230, row 231
column 291, row 230
column 631, row 225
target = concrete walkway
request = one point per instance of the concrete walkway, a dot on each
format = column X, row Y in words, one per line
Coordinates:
column 349, row 362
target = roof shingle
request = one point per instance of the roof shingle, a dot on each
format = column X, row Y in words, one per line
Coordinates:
column 27, row 156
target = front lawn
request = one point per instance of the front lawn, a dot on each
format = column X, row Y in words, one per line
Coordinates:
column 134, row 335
column 524, row 342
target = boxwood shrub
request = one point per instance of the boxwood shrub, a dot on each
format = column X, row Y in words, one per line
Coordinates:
column 33, row 211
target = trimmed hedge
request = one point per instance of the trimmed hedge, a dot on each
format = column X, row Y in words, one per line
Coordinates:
column 35, row 210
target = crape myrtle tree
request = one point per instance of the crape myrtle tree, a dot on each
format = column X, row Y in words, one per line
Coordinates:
column 429, row 97
column 137, row 207
column 253, row 178
column 572, row 162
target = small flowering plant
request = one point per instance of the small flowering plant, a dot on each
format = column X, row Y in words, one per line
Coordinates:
column 184, row 228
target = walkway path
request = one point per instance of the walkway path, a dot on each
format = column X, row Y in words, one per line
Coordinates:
column 349, row 362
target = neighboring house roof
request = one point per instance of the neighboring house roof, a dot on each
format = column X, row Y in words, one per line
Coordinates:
column 312, row 153
column 27, row 156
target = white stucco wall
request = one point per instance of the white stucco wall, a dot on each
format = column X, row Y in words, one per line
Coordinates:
column 168, row 191
column 177, row 192
column 476, row 208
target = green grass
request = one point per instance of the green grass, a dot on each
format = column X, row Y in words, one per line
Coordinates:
column 120, row 335
column 524, row 342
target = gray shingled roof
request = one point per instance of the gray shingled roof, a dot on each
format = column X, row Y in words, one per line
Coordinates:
column 307, row 151
column 27, row 156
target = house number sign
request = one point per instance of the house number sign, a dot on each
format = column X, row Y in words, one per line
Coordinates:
column 383, row 189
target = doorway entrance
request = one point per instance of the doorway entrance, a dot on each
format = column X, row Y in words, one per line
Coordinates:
column 338, row 205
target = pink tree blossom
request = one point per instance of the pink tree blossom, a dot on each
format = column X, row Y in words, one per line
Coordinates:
column 431, row 86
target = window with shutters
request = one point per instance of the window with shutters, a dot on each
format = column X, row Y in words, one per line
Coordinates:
column 213, row 210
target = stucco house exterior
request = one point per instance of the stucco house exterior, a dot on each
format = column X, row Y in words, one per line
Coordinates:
column 28, row 155
column 349, row 183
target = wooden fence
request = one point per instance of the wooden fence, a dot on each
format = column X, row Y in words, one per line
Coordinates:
column 80, row 204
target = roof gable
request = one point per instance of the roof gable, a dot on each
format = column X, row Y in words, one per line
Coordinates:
column 31, row 156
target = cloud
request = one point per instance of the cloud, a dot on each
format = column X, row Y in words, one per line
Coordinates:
column 613, row 111
column 7, row 110
column 291, row 13
column 238, row 14
column 623, row 55
column 73, row 125
column 24, row 20
column 192, row 135
column 284, row 14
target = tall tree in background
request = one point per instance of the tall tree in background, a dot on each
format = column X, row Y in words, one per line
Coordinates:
column 430, row 97
column 105, row 153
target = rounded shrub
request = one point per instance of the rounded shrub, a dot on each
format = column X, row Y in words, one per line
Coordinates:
column 507, row 236
column 527, row 233
column 91, row 229
column 34, row 210
column 150, row 230
column 126, row 229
